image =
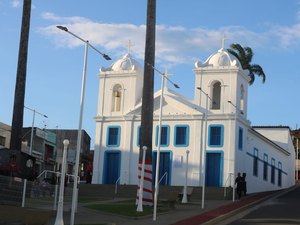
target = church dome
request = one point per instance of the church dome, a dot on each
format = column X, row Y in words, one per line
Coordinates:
column 124, row 63
column 222, row 58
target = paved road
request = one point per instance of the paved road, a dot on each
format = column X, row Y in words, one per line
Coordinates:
column 283, row 209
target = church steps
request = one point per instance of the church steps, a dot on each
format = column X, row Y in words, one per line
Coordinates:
column 130, row 191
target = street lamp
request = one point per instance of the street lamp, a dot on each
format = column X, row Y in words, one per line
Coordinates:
column 163, row 77
column 204, row 149
column 30, row 148
column 230, row 102
column 235, row 118
column 87, row 44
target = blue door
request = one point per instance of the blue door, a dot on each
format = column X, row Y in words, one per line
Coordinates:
column 164, row 167
column 111, row 170
column 213, row 169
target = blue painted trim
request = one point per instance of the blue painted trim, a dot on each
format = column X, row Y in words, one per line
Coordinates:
column 241, row 138
column 104, row 177
column 119, row 135
column 168, row 136
column 138, row 135
column 171, row 162
column 221, row 126
column 260, row 160
column 221, row 164
column 265, row 173
column 187, row 135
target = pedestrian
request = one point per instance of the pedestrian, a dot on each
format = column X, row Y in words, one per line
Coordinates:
column 244, row 184
column 238, row 182
column 89, row 173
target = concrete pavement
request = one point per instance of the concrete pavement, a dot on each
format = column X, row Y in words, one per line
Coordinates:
column 183, row 214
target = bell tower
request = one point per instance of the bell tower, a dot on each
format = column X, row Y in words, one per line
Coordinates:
column 221, row 76
column 120, row 87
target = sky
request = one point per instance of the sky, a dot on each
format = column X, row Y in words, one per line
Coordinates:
column 186, row 31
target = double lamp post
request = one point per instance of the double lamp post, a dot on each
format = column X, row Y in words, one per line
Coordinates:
column 106, row 57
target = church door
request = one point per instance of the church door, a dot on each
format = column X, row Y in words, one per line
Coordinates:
column 165, row 163
column 213, row 169
column 111, row 168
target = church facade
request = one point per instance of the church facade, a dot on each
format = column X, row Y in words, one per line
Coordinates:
column 211, row 131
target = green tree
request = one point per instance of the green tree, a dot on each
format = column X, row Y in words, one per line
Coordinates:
column 245, row 55
column 17, row 120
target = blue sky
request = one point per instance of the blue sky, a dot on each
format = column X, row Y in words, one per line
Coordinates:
column 187, row 31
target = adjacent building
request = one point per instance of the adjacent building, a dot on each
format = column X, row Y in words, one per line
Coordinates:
column 47, row 147
column 71, row 135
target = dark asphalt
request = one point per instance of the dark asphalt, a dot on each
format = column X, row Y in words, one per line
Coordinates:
column 282, row 209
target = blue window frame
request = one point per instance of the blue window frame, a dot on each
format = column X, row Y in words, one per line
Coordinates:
column 273, row 171
column 265, row 172
column 113, row 136
column 138, row 136
column 240, row 144
column 255, row 162
column 164, row 136
column 279, row 174
column 216, row 135
column 181, row 136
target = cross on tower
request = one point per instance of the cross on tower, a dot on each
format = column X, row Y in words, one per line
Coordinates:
column 223, row 41
column 167, row 75
column 129, row 45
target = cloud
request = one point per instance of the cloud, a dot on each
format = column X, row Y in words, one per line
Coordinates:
column 15, row 3
column 174, row 44
column 54, row 18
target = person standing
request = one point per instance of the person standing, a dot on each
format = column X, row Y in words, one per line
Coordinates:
column 244, row 184
column 238, row 182
column 89, row 173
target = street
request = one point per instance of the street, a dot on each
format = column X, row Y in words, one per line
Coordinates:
column 282, row 209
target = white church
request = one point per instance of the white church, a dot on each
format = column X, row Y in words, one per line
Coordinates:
column 221, row 142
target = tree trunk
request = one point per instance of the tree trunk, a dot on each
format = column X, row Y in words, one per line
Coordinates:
column 18, row 111
column 147, row 100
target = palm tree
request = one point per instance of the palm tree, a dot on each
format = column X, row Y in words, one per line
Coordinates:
column 245, row 55
column 148, row 85
column 17, row 120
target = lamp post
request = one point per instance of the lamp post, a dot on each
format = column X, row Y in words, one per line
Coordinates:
column 59, row 214
column 87, row 44
column 184, row 196
column 156, row 188
column 204, row 149
column 30, row 148
column 297, row 162
column 235, row 117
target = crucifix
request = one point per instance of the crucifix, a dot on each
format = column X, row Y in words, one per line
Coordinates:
column 129, row 45
column 167, row 75
column 223, row 41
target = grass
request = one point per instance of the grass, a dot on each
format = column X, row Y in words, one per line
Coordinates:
column 86, row 199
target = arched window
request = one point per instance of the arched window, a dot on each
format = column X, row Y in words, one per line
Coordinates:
column 116, row 98
column 216, row 95
column 242, row 98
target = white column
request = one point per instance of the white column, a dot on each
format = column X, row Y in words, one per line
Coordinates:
column 59, row 214
column 184, row 197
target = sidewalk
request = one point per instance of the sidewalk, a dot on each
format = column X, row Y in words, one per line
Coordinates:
column 191, row 213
